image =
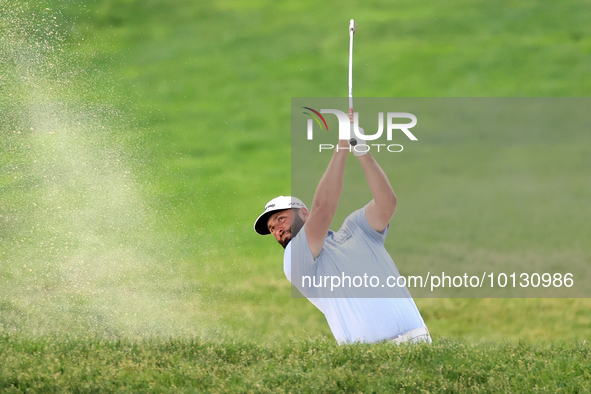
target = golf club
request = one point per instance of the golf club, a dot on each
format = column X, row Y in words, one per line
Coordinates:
column 352, row 29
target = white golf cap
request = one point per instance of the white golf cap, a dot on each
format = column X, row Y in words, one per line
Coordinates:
column 277, row 204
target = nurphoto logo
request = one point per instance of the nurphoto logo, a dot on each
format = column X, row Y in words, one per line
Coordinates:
column 346, row 128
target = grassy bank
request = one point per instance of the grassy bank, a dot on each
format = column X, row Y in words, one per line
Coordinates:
column 316, row 365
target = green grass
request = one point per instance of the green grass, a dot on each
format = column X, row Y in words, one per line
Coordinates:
column 304, row 366
column 140, row 144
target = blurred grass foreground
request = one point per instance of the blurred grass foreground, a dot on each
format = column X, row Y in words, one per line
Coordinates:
column 312, row 365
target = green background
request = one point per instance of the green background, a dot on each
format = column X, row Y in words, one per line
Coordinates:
column 142, row 138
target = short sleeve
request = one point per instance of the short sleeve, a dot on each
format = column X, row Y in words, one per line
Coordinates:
column 298, row 252
column 359, row 219
column 301, row 260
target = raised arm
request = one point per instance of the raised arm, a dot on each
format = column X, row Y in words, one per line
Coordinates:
column 382, row 207
column 326, row 199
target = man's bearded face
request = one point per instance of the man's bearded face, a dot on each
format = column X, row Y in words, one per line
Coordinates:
column 284, row 225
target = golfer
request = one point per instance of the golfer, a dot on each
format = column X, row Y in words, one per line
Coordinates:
column 315, row 252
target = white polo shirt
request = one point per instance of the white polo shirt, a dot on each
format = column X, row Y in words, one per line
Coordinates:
column 354, row 250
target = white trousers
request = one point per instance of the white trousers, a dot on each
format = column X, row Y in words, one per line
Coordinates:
column 415, row 335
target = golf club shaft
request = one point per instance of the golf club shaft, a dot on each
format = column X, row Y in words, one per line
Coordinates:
column 351, row 33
